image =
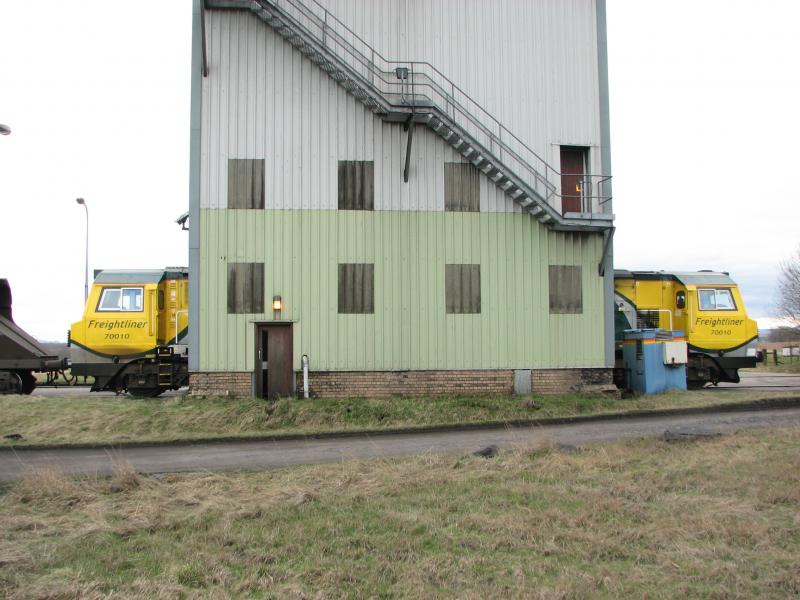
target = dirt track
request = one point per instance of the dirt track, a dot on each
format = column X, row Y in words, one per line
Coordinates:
column 274, row 454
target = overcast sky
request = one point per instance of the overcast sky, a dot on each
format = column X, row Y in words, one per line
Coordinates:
column 704, row 127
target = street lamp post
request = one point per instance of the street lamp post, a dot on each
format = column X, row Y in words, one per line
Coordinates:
column 86, row 271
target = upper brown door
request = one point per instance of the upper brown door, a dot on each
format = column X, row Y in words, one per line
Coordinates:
column 274, row 360
column 573, row 160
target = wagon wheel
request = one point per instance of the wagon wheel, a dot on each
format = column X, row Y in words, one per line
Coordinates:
column 14, row 383
column 28, row 381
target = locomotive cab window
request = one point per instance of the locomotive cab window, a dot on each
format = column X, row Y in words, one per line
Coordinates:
column 716, row 300
column 121, row 300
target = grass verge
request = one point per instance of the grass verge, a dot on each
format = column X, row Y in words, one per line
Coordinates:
column 785, row 365
column 711, row 519
column 114, row 420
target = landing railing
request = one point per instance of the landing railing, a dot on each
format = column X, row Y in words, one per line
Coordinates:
column 421, row 87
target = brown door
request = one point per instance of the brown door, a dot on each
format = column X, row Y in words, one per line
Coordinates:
column 573, row 159
column 274, row 360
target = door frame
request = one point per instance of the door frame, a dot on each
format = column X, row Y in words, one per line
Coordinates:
column 569, row 196
column 258, row 384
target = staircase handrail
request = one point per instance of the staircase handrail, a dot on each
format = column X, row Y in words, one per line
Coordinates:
column 333, row 34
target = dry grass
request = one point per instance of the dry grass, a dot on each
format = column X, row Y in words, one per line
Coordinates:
column 712, row 519
column 42, row 420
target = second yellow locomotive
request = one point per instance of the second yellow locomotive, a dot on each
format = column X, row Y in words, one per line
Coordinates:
column 132, row 332
column 706, row 305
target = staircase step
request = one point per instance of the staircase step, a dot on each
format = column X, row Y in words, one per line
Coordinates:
column 523, row 201
column 479, row 162
column 311, row 43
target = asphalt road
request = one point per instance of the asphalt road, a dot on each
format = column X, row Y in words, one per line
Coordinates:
column 274, row 454
column 789, row 382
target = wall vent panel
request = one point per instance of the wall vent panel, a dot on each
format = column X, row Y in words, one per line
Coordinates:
column 461, row 187
column 245, row 183
column 566, row 290
column 462, row 289
column 356, row 185
column 245, row 288
column 356, row 288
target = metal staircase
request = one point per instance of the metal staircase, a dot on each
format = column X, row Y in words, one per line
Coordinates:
column 412, row 92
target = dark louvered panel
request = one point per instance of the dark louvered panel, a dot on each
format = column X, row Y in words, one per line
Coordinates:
column 461, row 187
column 356, row 185
column 356, row 288
column 245, row 183
column 462, row 289
column 245, row 288
column 566, row 290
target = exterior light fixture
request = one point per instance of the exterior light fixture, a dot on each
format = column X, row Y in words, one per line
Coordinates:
column 4, row 129
column 578, row 188
column 401, row 72
column 277, row 307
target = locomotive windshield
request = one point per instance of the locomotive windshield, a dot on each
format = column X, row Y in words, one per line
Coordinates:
column 716, row 300
column 121, row 300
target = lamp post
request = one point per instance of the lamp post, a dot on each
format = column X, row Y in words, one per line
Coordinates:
column 82, row 202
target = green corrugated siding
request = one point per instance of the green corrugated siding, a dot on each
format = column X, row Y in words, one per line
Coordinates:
column 409, row 329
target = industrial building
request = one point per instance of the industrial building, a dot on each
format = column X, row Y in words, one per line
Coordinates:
column 407, row 196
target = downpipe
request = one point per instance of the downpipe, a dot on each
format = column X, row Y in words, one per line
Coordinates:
column 304, row 362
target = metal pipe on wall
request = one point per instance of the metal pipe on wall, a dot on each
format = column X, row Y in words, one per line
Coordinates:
column 304, row 361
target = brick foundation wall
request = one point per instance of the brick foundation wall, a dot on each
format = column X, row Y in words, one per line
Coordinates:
column 221, row 384
column 563, row 381
column 387, row 384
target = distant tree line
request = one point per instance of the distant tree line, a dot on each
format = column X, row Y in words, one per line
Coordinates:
column 781, row 334
column 789, row 289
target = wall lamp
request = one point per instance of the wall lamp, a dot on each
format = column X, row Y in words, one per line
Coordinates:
column 277, row 307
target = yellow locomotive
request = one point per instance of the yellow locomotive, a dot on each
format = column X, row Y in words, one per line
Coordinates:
column 706, row 305
column 130, row 336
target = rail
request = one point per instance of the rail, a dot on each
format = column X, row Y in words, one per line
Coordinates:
column 421, row 87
